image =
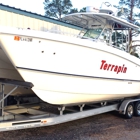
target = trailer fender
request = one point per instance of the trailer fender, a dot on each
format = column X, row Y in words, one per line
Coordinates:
column 124, row 104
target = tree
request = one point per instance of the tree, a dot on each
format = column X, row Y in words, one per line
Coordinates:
column 56, row 8
column 74, row 10
column 130, row 15
column 83, row 9
column 128, row 10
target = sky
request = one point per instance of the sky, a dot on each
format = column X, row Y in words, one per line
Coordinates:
column 37, row 6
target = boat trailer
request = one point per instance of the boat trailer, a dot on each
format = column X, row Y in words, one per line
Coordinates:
column 30, row 115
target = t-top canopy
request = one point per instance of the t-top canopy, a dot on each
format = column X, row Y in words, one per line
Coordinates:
column 93, row 20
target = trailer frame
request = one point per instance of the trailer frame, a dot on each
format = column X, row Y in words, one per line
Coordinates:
column 23, row 116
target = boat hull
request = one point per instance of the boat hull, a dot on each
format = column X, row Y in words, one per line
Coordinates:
column 8, row 71
column 68, row 71
column 57, row 88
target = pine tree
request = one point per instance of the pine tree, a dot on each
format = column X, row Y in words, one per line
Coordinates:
column 127, row 9
column 57, row 8
column 74, row 10
column 83, row 9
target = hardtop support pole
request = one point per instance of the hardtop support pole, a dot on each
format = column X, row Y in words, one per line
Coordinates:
column 129, row 31
column 2, row 101
column 122, row 38
column 110, row 37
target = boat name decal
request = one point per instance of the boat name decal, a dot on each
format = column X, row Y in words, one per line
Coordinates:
column 18, row 38
column 111, row 67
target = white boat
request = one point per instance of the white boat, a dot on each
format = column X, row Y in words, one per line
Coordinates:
column 75, row 70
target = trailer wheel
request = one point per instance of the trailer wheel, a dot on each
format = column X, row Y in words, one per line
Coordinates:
column 129, row 111
column 137, row 109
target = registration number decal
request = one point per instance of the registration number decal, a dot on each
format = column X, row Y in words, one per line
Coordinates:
column 18, row 38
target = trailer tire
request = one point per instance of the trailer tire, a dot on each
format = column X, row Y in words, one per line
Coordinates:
column 137, row 109
column 129, row 111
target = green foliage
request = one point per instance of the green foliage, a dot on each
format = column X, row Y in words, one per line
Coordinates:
column 127, row 9
column 119, row 35
column 130, row 3
column 74, row 10
column 83, row 9
column 57, row 8
column 136, row 54
column 119, row 39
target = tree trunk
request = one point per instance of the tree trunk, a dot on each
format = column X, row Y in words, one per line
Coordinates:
column 131, row 18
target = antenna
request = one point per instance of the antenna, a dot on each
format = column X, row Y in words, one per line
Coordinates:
column 122, row 10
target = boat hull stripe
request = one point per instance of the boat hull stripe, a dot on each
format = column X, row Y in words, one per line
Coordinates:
column 77, row 75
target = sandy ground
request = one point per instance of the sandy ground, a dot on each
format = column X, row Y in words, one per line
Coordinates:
column 109, row 126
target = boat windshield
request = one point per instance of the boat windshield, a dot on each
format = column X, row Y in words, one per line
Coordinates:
column 93, row 33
